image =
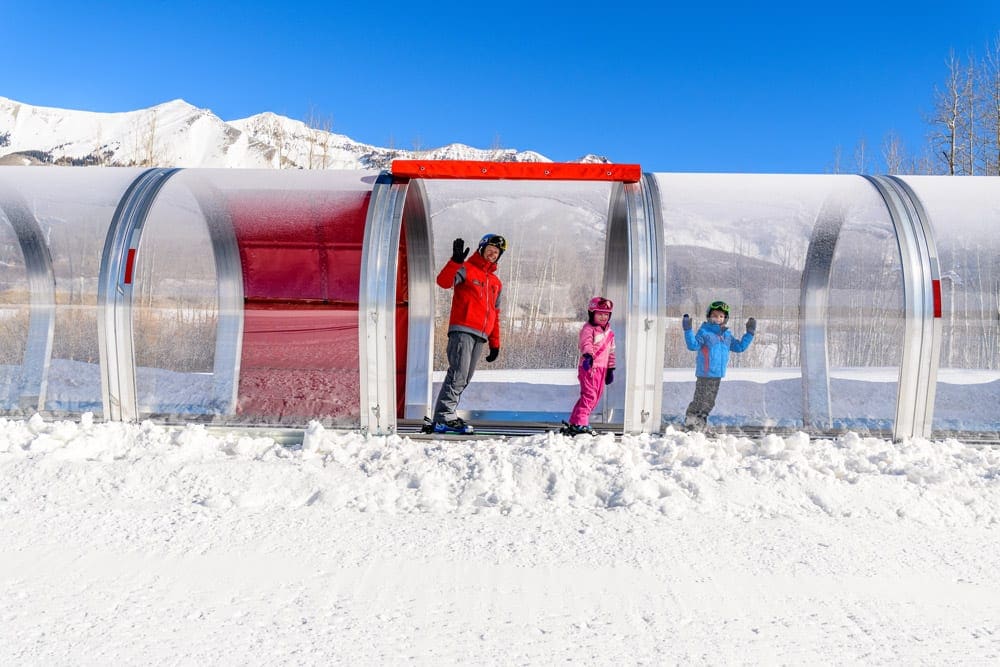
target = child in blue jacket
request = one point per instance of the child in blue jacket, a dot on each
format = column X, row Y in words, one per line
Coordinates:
column 712, row 343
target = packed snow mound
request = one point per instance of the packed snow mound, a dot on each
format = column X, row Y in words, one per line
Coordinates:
column 945, row 483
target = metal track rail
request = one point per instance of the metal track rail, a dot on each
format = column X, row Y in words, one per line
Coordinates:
column 293, row 437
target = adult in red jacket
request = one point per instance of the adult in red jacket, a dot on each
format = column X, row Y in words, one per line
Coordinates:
column 474, row 322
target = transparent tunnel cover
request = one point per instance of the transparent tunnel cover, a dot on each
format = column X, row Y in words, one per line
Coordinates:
column 72, row 209
column 964, row 214
column 766, row 245
column 556, row 234
column 246, row 297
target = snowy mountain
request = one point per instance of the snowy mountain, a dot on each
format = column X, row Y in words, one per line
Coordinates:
column 178, row 134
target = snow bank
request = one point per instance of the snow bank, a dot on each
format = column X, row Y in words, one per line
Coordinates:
column 944, row 483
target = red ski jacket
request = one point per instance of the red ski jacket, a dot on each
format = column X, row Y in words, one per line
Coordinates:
column 475, row 306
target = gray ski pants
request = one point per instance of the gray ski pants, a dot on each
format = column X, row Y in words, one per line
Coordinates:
column 705, row 391
column 463, row 355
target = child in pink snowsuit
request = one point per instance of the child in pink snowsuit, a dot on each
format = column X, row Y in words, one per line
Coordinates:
column 597, row 364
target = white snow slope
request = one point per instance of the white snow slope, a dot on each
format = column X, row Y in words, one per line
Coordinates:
column 142, row 544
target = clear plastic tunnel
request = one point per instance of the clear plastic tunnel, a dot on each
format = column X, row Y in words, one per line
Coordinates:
column 242, row 297
column 557, row 235
column 246, row 296
column 964, row 216
column 214, row 295
column 815, row 260
column 53, row 225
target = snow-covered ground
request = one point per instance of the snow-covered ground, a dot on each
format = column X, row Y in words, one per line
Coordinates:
column 143, row 544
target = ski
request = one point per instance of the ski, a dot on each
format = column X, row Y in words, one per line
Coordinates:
column 490, row 431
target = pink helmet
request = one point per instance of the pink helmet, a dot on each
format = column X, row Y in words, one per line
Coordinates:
column 600, row 305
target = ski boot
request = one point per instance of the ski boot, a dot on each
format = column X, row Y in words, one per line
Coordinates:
column 456, row 425
column 576, row 429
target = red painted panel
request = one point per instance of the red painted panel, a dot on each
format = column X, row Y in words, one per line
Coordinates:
column 543, row 171
column 301, row 257
column 301, row 245
column 289, row 335
column 129, row 266
column 936, row 286
column 300, row 360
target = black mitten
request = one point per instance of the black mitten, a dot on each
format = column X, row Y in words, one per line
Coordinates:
column 458, row 251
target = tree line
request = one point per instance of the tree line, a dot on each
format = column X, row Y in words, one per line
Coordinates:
column 964, row 126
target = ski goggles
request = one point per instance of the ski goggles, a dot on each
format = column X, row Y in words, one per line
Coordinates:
column 602, row 304
column 719, row 305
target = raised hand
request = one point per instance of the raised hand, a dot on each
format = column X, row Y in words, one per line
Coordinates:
column 458, row 251
column 686, row 322
column 752, row 326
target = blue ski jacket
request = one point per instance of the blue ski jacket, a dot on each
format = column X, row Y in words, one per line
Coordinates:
column 713, row 343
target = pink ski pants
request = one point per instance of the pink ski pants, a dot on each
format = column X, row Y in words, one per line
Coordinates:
column 591, row 389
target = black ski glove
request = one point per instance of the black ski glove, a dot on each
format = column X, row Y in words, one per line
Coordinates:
column 752, row 326
column 458, row 251
column 609, row 377
column 686, row 322
column 588, row 361
column 492, row 356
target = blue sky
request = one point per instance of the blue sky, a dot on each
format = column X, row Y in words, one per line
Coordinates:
column 731, row 87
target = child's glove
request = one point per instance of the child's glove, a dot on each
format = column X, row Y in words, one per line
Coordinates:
column 459, row 252
column 588, row 361
column 752, row 326
column 686, row 322
column 609, row 377
column 492, row 356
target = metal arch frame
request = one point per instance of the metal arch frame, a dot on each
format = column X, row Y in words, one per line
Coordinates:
column 634, row 273
column 37, row 354
column 814, row 302
column 394, row 202
column 921, row 300
column 114, row 295
column 420, row 274
column 229, row 272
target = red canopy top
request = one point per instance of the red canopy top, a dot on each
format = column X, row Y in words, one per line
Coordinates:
column 542, row 171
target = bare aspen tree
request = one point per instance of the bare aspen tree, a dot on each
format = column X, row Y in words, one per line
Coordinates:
column 318, row 139
column 144, row 142
column 150, row 145
column 970, row 121
column 893, row 154
column 990, row 84
column 861, row 156
column 277, row 137
column 946, row 138
column 836, row 159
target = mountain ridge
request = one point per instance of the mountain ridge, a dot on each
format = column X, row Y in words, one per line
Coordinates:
column 178, row 134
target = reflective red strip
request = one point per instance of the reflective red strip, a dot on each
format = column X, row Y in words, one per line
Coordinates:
column 937, row 297
column 540, row 171
column 129, row 263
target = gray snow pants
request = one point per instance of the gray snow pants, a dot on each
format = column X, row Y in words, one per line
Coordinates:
column 463, row 355
column 705, row 391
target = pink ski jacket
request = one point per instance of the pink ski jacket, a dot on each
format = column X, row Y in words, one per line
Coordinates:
column 598, row 342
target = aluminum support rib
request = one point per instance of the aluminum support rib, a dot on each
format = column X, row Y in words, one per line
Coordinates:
column 29, row 393
column 634, row 273
column 114, row 295
column 922, row 308
column 229, row 290
column 392, row 201
column 814, row 300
